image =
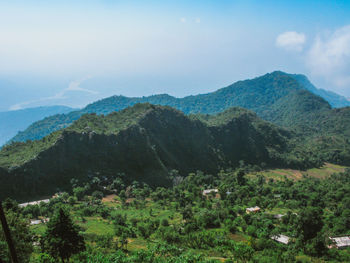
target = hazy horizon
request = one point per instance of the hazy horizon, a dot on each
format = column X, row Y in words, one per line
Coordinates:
column 63, row 53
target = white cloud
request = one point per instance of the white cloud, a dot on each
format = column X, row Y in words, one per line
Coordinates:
column 197, row 20
column 329, row 56
column 183, row 19
column 291, row 40
column 73, row 86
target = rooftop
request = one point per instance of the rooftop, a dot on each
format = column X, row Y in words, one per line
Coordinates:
column 208, row 191
column 281, row 239
column 341, row 241
column 34, row 203
column 252, row 209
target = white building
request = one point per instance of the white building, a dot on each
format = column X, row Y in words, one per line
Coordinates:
column 39, row 221
column 281, row 239
column 208, row 191
column 341, row 242
column 252, row 209
column 34, row 203
column 278, row 216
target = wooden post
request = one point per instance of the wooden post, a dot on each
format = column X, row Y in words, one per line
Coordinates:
column 7, row 233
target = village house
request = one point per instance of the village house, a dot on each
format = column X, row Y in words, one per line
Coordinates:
column 252, row 209
column 340, row 242
column 281, row 239
column 34, row 203
column 209, row 192
column 278, row 216
column 39, row 221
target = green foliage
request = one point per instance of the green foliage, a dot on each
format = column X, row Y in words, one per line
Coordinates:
column 259, row 94
column 20, row 233
column 135, row 144
column 62, row 238
column 215, row 228
column 21, row 119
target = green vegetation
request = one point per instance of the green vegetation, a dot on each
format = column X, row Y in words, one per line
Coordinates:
column 136, row 223
column 62, row 238
column 286, row 100
column 21, row 234
column 334, row 99
column 281, row 174
column 11, row 122
column 133, row 190
column 146, row 142
column 264, row 95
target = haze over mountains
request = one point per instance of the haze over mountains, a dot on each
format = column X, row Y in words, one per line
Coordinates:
column 261, row 95
column 11, row 122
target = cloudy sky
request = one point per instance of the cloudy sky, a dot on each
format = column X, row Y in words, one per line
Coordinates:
column 75, row 52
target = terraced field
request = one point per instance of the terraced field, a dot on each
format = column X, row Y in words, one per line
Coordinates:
column 282, row 174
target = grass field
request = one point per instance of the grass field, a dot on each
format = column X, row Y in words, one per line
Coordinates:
column 282, row 174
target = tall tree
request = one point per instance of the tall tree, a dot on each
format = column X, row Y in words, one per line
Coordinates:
column 62, row 238
column 309, row 223
column 20, row 233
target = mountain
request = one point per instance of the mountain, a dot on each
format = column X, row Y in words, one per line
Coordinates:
column 145, row 142
column 258, row 94
column 334, row 99
column 11, row 122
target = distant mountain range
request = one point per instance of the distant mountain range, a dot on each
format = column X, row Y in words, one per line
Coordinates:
column 334, row 99
column 11, row 122
column 262, row 95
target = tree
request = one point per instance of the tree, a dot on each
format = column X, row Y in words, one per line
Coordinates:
column 62, row 238
column 79, row 192
column 97, row 195
column 309, row 223
column 242, row 252
column 21, row 237
column 240, row 175
column 123, row 240
column 187, row 213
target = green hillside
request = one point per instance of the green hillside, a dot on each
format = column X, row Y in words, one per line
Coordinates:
column 145, row 142
column 11, row 122
column 264, row 95
column 334, row 99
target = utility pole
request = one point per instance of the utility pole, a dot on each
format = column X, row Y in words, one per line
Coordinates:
column 7, row 233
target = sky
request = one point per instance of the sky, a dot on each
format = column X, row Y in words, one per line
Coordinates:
column 76, row 52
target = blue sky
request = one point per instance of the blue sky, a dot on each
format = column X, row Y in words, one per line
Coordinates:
column 75, row 52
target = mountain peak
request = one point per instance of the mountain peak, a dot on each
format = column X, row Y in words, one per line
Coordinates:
column 258, row 94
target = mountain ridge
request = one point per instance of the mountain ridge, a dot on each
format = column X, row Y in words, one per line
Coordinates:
column 256, row 94
column 145, row 142
column 11, row 122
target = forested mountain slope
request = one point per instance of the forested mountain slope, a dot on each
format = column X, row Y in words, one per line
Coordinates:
column 264, row 95
column 11, row 122
column 145, row 142
column 334, row 99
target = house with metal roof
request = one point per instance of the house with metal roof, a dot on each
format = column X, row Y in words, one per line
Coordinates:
column 281, row 239
column 340, row 242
